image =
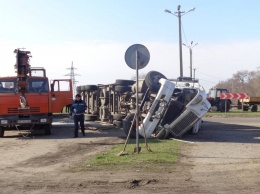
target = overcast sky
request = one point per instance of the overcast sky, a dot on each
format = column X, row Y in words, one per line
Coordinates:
column 95, row 34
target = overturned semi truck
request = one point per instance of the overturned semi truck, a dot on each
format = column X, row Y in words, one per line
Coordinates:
column 166, row 107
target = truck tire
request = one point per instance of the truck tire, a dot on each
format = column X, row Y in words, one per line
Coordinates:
column 163, row 134
column 90, row 117
column 222, row 106
column 245, row 108
column 152, row 80
column 90, row 88
column 82, row 88
column 127, row 122
column 254, row 108
column 117, row 117
column 47, row 129
column 122, row 89
column 2, row 132
column 117, row 123
column 124, row 82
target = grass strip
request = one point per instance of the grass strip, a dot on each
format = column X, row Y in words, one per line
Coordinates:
column 162, row 157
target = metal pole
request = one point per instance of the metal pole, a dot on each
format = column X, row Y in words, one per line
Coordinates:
column 178, row 14
column 180, row 41
column 190, row 62
column 194, row 73
column 137, row 107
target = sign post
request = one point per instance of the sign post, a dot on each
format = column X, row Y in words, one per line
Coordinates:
column 137, row 57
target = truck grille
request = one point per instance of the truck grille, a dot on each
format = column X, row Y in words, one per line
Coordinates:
column 24, row 111
column 184, row 124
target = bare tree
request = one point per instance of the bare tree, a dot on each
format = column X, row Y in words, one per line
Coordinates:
column 243, row 82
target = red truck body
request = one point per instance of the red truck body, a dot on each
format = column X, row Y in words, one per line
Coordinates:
column 27, row 101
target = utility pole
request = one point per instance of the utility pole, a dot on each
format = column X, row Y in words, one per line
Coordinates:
column 72, row 77
column 190, row 48
column 179, row 14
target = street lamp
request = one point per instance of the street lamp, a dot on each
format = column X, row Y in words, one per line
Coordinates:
column 179, row 14
column 190, row 48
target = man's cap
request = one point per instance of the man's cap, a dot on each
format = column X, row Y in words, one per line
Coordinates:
column 78, row 95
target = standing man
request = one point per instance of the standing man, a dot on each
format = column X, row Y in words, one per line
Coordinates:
column 77, row 110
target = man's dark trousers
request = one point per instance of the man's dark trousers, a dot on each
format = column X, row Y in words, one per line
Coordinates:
column 79, row 119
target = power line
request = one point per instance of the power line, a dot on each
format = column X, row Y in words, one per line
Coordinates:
column 72, row 75
column 210, row 75
column 184, row 33
column 208, row 81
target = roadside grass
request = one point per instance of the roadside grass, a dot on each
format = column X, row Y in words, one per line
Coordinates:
column 234, row 113
column 162, row 157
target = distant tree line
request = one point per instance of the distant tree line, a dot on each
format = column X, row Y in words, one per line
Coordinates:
column 243, row 82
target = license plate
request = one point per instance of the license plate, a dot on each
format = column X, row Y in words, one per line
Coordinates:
column 24, row 121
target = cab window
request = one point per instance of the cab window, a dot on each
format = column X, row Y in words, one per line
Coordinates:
column 7, row 86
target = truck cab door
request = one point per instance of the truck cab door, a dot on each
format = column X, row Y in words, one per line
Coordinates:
column 61, row 94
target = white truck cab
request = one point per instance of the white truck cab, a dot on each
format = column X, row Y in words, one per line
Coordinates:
column 178, row 108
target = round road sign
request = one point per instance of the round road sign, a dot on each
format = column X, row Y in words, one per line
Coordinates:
column 137, row 55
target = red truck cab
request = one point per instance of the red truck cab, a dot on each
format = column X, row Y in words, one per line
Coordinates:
column 28, row 102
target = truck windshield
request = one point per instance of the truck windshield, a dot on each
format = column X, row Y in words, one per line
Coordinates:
column 38, row 85
column 7, row 85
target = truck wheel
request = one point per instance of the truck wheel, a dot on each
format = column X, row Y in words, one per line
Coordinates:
column 123, row 89
column 162, row 134
column 222, row 106
column 245, row 108
column 152, row 80
column 117, row 123
column 124, row 82
column 117, row 117
column 90, row 88
column 127, row 122
column 254, row 108
column 214, row 109
column 47, row 129
column 2, row 132
column 90, row 117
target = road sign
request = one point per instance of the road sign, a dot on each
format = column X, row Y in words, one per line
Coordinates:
column 233, row 96
column 137, row 55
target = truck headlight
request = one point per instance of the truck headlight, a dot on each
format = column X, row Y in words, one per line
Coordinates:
column 197, row 100
column 43, row 120
column 4, row 122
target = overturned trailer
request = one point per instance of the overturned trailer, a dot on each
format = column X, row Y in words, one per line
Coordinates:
column 166, row 107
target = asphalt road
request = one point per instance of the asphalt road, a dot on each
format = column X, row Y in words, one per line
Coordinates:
column 225, row 155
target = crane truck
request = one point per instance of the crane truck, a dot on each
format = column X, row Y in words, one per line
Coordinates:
column 27, row 100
